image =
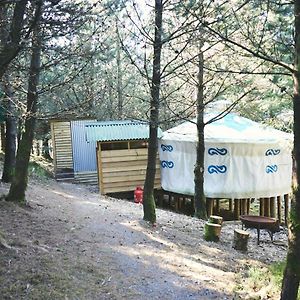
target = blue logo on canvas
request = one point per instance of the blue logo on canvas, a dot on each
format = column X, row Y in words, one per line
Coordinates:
column 168, row 148
column 167, row 164
column 271, row 169
column 272, row 152
column 217, row 169
column 217, row 151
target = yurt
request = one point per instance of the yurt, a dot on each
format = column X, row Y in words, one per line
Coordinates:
column 243, row 159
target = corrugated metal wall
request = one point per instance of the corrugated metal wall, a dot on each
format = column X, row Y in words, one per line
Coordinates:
column 84, row 153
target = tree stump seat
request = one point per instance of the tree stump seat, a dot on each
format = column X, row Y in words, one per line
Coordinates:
column 215, row 219
column 212, row 232
column 240, row 240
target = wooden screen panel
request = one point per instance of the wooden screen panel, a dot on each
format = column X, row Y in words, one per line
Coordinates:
column 62, row 145
column 123, row 170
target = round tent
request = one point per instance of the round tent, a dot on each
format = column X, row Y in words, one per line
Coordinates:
column 243, row 159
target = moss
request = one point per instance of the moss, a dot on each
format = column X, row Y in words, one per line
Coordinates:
column 37, row 171
column 293, row 259
column 149, row 208
column 212, row 233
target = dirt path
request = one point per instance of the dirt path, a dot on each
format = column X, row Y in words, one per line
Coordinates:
column 74, row 244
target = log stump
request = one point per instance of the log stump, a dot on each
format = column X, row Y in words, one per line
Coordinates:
column 212, row 232
column 240, row 240
column 215, row 220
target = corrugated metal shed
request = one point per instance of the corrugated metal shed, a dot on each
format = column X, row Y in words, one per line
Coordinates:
column 84, row 154
column 118, row 131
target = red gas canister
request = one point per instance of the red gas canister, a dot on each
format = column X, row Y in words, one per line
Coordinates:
column 138, row 195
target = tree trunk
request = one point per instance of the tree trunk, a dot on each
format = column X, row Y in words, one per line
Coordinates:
column 290, row 283
column 2, row 129
column 11, row 46
column 200, row 201
column 119, row 77
column 45, row 149
column 19, row 182
column 148, row 202
column 10, row 134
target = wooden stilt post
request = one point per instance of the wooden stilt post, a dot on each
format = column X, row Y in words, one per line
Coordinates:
column 212, row 205
column 267, row 207
column 193, row 204
column 286, row 208
column 176, row 202
column 230, row 205
column 183, row 202
column 236, row 209
column 248, row 206
column 209, row 206
column 160, row 198
column 261, row 207
column 217, row 206
column 279, row 208
column 243, row 206
column 272, row 207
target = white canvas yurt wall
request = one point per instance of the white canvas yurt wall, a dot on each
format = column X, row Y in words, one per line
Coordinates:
column 243, row 159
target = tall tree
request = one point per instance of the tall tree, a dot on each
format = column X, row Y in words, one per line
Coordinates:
column 20, row 179
column 11, row 48
column 149, row 203
column 10, row 131
column 257, row 42
column 199, row 197
column 290, row 284
column 10, row 122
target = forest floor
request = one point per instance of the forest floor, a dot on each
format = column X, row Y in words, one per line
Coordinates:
column 72, row 243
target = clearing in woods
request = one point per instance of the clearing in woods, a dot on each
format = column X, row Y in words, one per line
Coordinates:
column 71, row 243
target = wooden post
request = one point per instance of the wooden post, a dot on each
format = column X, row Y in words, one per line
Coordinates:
column 193, row 204
column 286, row 208
column 279, row 208
column 267, row 207
column 217, row 206
column 243, row 206
column 183, row 202
column 240, row 240
column 212, row 232
column 272, row 207
column 230, row 205
column 236, row 209
column 209, row 206
column 248, row 206
column 261, row 207
column 180, row 203
column 176, row 202
column 169, row 200
column 100, row 169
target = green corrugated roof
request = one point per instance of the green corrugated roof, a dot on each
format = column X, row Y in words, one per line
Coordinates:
column 118, row 131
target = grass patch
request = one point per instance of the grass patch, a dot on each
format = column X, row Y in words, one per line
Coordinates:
column 38, row 171
column 263, row 283
column 276, row 271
